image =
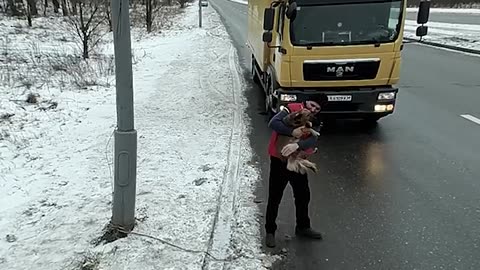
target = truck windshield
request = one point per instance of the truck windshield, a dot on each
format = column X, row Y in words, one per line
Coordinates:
column 346, row 23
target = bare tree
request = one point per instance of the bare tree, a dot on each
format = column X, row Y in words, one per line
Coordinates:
column 64, row 8
column 32, row 6
column 149, row 17
column 28, row 11
column 73, row 5
column 12, row 4
column 182, row 3
column 56, row 5
column 45, row 6
column 108, row 13
column 156, row 10
column 87, row 23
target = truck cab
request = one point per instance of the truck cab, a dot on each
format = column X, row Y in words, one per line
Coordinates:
column 346, row 54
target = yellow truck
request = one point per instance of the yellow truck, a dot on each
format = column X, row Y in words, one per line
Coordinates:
column 346, row 51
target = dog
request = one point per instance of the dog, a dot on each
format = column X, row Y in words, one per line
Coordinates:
column 297, row 161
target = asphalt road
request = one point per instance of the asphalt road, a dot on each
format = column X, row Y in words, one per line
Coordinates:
column 449, row 18
column 403, row 195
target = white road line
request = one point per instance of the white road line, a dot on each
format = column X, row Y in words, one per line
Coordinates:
column 471, row 118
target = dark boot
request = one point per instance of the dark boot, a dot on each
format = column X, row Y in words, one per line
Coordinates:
column 308, row 233
column 270, row 240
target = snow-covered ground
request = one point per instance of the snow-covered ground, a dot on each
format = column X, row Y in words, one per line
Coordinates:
column 449, row 10
column 459, row 35
column 195, row 181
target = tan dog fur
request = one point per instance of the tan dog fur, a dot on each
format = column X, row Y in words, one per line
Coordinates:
column 297, row 161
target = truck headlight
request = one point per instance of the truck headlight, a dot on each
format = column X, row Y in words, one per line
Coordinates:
column 384, row 108
column 380, row 108
column 386, row 96
column 287, row 97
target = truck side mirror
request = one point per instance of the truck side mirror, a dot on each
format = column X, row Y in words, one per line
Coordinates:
column 423, row 12
column 268, row 19
column 291, row 12
column 267, row 37
column 422, row 31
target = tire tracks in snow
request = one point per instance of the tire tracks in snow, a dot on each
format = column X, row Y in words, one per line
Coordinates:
column 223, row 94
column 220, row 236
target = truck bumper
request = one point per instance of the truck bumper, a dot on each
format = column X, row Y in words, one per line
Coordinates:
column 352, row 103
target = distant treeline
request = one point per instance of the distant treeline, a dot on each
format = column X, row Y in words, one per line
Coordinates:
column 449, row 3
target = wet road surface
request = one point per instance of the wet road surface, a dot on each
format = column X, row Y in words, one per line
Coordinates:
column 402, row 195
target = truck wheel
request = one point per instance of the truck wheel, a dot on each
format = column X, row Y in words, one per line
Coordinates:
column 269, row 99
column 255, row 77
column 268, row 105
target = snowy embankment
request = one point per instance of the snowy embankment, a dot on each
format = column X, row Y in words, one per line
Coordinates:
column 452, row 34
column 471, row 10
column 195, row 181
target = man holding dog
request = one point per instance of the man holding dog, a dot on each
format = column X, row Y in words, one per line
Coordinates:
column 280, row 176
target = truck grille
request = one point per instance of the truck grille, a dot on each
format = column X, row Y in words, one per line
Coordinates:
column 339, row 71
column 332, row 107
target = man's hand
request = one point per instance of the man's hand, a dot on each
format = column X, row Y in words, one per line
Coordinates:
column 289, row 149
column 298, row 132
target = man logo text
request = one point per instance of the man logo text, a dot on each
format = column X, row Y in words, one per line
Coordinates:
column 340, row 70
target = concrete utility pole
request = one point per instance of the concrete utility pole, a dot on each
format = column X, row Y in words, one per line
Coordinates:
column 123, row 210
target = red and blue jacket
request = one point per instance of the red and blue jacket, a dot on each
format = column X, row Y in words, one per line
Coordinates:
column 279, row 127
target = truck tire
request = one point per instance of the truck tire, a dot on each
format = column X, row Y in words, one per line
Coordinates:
column 269, row 99
column 255, row 77
column 268, row 108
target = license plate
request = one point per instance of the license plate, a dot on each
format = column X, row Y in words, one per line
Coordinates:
column 340, row 98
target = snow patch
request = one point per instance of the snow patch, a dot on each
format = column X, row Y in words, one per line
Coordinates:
column 449, row 10
column 459, row 35
column 56, row 163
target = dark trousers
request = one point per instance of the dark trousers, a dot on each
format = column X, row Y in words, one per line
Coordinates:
column 278, row 180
